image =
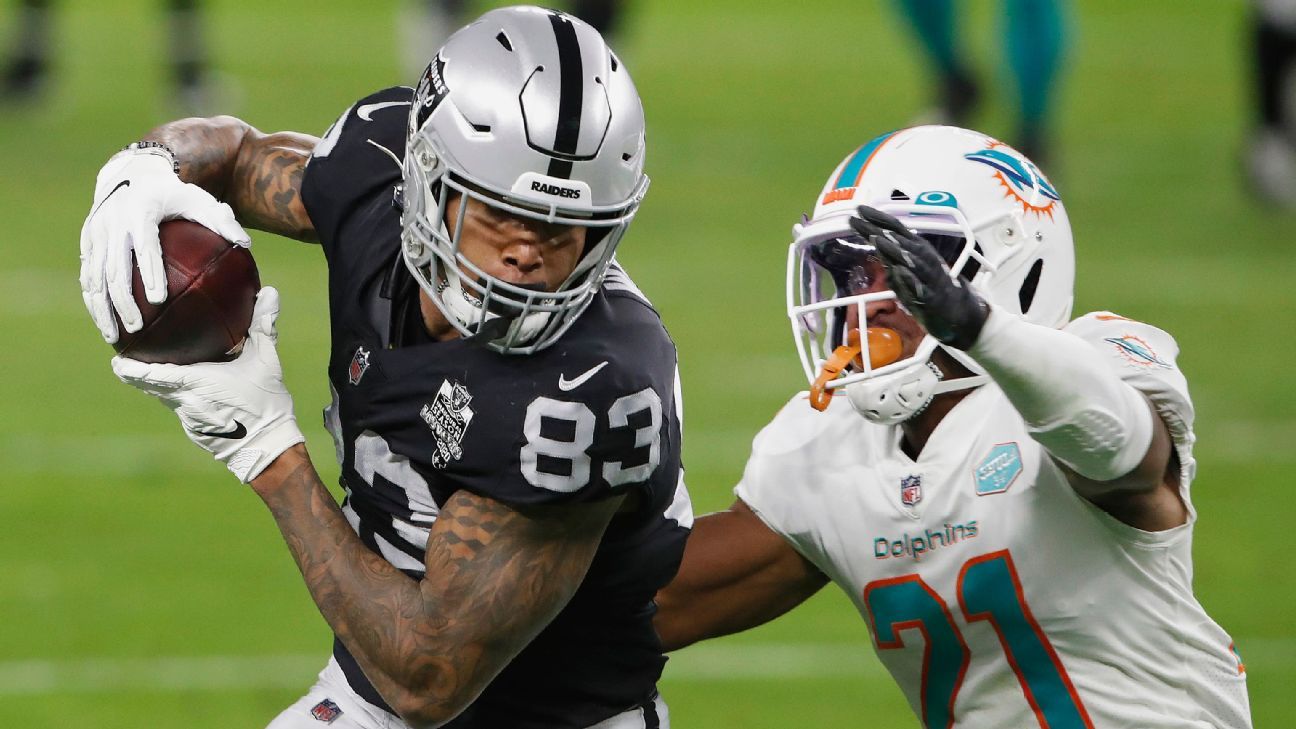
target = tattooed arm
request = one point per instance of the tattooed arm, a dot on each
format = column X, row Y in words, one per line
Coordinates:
column 495, row 577
column 258, row 175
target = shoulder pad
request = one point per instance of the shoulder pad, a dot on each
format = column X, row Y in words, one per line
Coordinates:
column 357, row 158
column 617, row 281
column 1131, row 344
column 1146, row 357
column 380, row 116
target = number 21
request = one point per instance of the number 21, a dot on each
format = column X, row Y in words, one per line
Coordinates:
column 988, row 589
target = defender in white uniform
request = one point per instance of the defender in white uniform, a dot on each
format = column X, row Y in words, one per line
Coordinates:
column 1011, row 514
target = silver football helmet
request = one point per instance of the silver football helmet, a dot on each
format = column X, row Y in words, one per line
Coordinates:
column 990, row 212
column 528, row 111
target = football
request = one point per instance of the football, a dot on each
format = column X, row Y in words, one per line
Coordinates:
column 211, row 289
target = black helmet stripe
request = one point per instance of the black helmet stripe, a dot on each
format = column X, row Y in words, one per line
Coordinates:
column 570, row 96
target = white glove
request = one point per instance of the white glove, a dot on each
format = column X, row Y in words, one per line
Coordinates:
column 238, row 411
column 135, row 191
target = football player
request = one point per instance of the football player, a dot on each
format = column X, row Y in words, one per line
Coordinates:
column 505, row 405
column 1001, row 492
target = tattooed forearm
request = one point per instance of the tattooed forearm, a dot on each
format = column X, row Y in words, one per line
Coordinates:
column 495, row 577
column 259, row 175
column 354, row 588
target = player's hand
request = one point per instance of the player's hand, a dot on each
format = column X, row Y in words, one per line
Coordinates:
column 238, row 411
column 135, row 191
column 946, row 306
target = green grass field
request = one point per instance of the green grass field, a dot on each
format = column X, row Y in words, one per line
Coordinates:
column 141, row 586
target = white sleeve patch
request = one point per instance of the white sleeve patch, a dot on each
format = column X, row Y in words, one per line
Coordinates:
column 324, row 147
column 681, row 506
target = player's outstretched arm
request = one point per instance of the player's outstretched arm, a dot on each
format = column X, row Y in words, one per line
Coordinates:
column 258, row 175
column 1114, row 446
column 737, row 574
column 495, row 577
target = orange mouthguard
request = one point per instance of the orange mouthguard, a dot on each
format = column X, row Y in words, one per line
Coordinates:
column 884, row 348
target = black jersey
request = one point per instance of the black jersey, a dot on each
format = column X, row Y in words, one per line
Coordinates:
column 414, row 421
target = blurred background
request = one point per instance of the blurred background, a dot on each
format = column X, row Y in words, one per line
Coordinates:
column 140, row 585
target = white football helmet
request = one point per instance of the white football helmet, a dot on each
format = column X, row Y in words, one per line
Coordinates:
column 990, row 213
column 526, row 110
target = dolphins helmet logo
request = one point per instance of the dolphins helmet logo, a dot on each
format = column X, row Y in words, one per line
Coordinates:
column 1019, row 177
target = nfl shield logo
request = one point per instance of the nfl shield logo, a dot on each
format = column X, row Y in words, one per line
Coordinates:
column 359, row 363
column 910, row 490
column 326, row 711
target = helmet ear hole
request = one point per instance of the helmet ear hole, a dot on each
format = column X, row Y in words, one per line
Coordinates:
column 1026, row 295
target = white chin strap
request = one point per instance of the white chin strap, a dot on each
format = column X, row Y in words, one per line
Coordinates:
column 467, row 310
column 898, row 396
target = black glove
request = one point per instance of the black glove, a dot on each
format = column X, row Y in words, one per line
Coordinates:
column 949, row 310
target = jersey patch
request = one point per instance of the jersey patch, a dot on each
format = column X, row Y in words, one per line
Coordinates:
column 911, row 490
column 326, row 711
column 997, row 471
column 359, row 364
column 448, row 417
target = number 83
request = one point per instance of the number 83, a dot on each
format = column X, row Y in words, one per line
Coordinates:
column 574, row 451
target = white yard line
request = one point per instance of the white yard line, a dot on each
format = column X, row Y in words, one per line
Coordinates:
column 699, row 663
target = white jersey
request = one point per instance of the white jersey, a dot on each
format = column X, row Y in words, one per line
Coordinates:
column 995, row 595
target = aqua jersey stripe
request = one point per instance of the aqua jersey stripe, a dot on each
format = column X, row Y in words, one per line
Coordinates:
column 850, row 174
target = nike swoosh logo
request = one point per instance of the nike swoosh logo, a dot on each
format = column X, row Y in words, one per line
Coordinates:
column 567, row 385
column 237, row 432
column 120, row 185
column 365, row 111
